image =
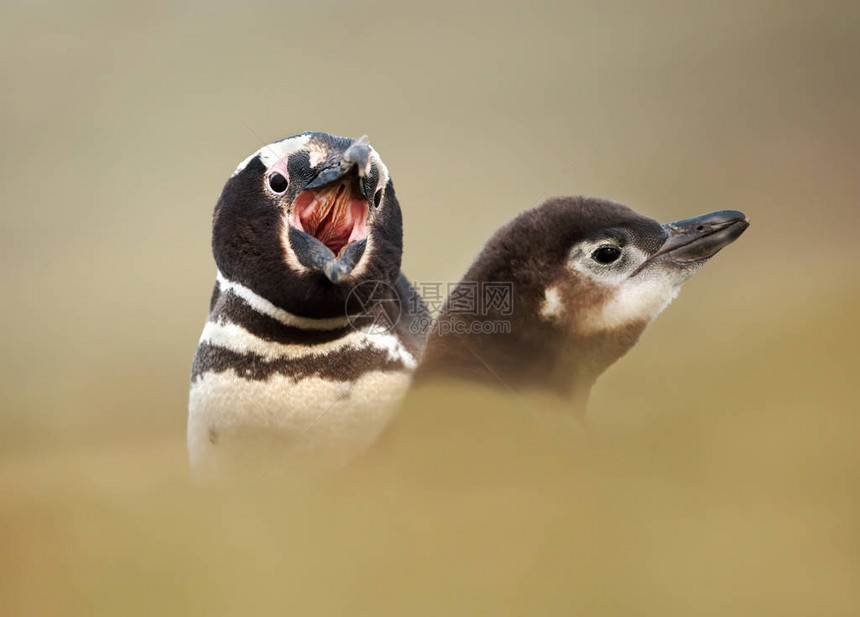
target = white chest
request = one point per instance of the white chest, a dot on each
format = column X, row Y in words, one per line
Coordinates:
column 230, row 412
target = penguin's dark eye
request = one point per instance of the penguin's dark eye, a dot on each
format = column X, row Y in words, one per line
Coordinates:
column 278, row 183
column 606, row 254
column 377, row 199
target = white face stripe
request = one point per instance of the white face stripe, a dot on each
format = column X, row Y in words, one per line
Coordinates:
column 244, row 163
column 279, row 150
column 275, row 151
column 289, row 255
column 237, row 339
column 552, row 307
column 261, row 305
column 628, row 299
column 383, row 170
column 637, row 299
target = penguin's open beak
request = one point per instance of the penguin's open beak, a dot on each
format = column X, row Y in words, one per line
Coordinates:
column 700, row 238
column 329, row 218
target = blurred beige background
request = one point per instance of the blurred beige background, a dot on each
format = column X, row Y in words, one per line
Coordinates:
column 122, row 122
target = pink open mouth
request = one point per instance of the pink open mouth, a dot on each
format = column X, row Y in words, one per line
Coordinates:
column 335, row 214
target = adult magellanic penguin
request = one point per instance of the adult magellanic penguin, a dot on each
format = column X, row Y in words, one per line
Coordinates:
column 307, row 345
column 586, row 277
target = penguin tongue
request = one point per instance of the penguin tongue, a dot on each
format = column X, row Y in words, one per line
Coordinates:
column 335, row 214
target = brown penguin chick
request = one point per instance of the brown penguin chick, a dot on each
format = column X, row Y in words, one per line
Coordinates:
column 494, row 390
column 586, row 277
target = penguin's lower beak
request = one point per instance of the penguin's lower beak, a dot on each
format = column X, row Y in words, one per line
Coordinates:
column 312, row 253
column 700, row 238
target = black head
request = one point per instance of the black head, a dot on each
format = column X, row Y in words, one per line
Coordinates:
column 304, row 220
column 587, row 275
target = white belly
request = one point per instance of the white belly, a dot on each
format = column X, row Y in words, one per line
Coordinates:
column 231, row 418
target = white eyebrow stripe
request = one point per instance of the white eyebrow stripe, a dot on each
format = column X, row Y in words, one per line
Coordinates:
column 244, row 164
column 274, row 152
column 383, row 170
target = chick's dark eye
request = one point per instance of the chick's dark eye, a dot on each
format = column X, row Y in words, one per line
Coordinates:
column 606, row 254
column 278, row 183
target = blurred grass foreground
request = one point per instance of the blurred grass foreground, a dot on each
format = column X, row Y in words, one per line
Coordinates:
column 743, row 501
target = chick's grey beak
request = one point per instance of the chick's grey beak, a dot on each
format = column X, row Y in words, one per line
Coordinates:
column 702, row 237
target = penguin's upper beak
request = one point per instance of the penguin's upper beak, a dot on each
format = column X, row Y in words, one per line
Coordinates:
column 357, row 157
column 329, row 218
column 700, row 238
